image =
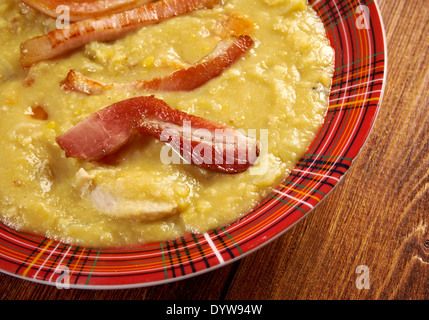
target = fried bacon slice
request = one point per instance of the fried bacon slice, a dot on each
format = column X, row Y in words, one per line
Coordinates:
column 106, row 28
column 227, row 53
column 198, row 141
column 80, row 10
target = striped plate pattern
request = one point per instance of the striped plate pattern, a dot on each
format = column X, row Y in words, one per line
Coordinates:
column 356, row 32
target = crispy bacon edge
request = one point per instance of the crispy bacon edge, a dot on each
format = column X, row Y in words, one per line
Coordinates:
column 187, row 79
column 106, row 28
column 107, row 130
column 84, row 9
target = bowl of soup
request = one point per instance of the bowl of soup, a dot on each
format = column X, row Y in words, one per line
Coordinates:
column 304, row 80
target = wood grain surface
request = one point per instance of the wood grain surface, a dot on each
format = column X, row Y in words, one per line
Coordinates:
column 378, row 216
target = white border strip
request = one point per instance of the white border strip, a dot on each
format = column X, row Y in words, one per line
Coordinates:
column 215, row 250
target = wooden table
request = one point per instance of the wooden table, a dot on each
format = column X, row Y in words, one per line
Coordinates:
column 377, row 217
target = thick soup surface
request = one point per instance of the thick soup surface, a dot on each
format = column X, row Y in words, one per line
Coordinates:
column 279, row 89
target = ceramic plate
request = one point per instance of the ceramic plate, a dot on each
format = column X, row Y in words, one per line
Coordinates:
column 356, row 32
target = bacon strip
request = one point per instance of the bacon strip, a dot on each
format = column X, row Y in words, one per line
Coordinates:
column 84, row 9
column 106, row 28
column 182, row 80
column 206, row 144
